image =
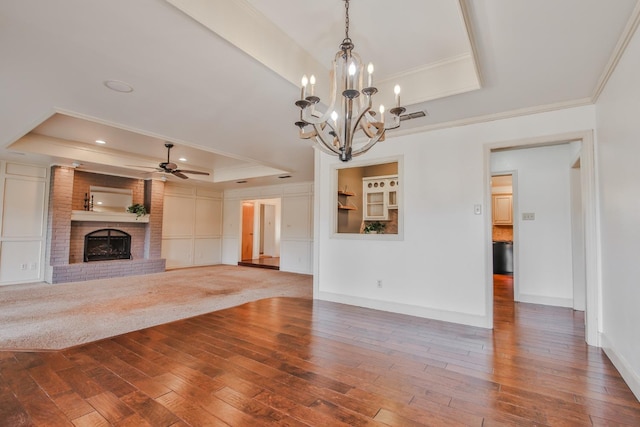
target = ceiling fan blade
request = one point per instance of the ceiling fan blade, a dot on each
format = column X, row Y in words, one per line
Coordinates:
column 193, row 172
column 179, row 175
column 140, row 166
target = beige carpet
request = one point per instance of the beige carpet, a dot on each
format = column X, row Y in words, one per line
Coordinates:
column 41, row 316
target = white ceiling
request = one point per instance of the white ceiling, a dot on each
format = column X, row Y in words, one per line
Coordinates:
column 219, row 78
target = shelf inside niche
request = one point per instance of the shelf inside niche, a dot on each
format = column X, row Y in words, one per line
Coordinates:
column 347, row 208
column 346, row 193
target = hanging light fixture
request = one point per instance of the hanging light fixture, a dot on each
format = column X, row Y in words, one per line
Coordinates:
column 347, row 112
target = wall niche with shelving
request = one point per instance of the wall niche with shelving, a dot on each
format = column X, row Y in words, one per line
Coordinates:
column 368, row 194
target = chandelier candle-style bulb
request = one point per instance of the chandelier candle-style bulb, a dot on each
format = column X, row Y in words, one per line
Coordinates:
column 312, row 80
column 305, row 81
column 396, row 90
column 349, row 126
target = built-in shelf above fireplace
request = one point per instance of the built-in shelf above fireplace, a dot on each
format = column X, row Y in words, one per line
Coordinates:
column 107, row 216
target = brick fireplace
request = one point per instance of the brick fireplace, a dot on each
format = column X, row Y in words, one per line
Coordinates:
column 68, row 224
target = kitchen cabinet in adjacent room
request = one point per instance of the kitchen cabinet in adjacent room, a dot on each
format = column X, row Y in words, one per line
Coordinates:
column 502, row 209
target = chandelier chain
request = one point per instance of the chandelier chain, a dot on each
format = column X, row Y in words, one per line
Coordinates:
column 346, row 20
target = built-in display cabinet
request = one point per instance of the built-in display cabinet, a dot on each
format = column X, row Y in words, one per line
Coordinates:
column 379, row 195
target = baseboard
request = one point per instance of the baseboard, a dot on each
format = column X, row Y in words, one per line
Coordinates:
column 631, row 377
column 411, row 310
column 538, row 299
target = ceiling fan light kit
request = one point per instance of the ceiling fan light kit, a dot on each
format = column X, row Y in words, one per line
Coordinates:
column 334, row 131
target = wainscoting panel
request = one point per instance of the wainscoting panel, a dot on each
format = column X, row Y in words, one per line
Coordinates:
column 178, row 252
column 23, row 210
column 207, row 251
column 192, row 227
column 19, row 261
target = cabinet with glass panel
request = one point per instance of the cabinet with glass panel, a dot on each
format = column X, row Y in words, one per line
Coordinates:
column 379, row 195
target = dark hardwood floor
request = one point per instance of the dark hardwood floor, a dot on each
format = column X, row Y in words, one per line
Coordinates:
column 272, row 263
column 300, row 362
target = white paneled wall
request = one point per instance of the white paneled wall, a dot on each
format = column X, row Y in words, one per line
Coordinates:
column 191, row 227
column 23, row 198
column 296, row 228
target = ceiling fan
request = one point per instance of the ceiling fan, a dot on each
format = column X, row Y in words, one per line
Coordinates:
column 172, row 168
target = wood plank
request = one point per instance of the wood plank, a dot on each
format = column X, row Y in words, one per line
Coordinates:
column 288, row 361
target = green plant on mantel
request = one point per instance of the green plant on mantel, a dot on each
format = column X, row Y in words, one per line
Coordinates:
column 137, row 209
column 375, row 227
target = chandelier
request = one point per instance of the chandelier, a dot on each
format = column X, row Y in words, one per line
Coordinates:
column 348, row 114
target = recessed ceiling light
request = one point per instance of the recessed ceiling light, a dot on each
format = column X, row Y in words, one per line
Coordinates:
column 118, row 86
column 182, row 159
column 100, row 141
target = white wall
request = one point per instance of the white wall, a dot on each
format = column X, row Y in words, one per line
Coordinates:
column 296, row 228
column 544, row 269
column 441, row 268
column 191, row 226
column 619, row 177
column 23, row 211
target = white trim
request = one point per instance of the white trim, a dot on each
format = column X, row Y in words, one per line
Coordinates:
column 593, row 312
column 316, row 221
column 463, row 8
column 622, row 365
column 538, row 299
column 618, row 51
column 410, row 310
column 491, row 117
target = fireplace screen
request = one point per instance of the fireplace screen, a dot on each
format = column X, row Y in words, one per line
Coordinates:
column 106, row 244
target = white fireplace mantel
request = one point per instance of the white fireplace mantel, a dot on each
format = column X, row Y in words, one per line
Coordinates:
column 108, row 216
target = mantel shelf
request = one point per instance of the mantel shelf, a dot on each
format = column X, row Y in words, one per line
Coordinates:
column 108, row 216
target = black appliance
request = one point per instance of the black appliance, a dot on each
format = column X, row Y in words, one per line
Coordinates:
column 503, row 257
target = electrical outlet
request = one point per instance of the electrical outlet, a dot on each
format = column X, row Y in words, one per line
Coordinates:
column 379, row 283
column 23, row 266
column 529, row 216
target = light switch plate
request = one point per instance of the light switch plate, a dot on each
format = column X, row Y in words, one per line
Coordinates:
column 529, row 216
column 477, row 209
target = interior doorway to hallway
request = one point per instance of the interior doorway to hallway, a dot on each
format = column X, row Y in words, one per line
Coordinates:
column 555, row 186
column 260, row 245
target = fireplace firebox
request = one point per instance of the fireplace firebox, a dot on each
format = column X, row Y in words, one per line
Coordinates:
column 107, row 244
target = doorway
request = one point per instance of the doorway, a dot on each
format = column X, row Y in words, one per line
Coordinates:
column 260, row 245
column 545, row 223
column 502, row 232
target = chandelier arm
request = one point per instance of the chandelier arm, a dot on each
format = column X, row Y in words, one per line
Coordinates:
column 307, row 135
column 323, row 117
column 361, row 124
column 320, row 136
column 370, row 144
column 396, row 123
column 321, row 146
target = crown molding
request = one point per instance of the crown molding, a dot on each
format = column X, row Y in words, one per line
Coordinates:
column 493, row 117
column 618, row 51
column 463, row 7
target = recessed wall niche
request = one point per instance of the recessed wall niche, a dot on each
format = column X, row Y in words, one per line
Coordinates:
column 368, row 199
